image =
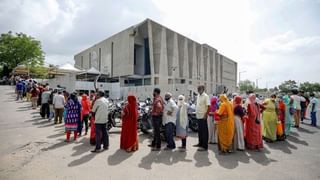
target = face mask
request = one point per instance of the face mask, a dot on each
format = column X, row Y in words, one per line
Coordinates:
column 180, row 102
column 167, row 99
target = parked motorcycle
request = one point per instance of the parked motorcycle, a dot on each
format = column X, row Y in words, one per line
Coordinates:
column 193, row 122
column 114, row 116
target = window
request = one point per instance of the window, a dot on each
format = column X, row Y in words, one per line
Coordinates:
column 183, row 81
column 147, row 69
column 147, row 81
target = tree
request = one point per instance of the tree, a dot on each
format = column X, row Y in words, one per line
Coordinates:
column 287, row 86
column 18, row 49
column 310, row 87
column 246, row 85
column 275, row 89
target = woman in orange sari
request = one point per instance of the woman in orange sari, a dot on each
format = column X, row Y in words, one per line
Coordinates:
column 225, row 125
column 129, row 134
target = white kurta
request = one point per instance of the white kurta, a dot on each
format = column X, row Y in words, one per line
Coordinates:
column 238, row 136
column 212, row 130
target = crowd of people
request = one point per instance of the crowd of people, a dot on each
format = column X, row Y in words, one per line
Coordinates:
column 231, row 123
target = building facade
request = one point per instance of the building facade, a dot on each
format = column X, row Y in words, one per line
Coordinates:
column 150, row 55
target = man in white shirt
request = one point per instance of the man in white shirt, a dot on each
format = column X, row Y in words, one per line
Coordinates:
column 100, row 109
column 58, row 105
column 169, row 120
column 202, row 111
column 297, row 102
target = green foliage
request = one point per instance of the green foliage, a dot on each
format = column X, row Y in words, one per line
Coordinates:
column 310, row 87
column 261, row 90
column 287, row 86
column 18, row 49
column 246, row 85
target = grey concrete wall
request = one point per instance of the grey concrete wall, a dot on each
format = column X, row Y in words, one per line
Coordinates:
column 68, row 80
column 198, row 63
column 229, row 74
column 118, row 63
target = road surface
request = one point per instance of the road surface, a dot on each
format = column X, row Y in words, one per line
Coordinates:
column 33, row 148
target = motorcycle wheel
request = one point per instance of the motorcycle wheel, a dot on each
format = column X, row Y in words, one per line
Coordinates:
column 145, row 131
column 194, row 127
column 109, row 126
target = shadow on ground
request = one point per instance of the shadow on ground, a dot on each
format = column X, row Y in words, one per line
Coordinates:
column 82, row 160
column 118, row 157
column 284, row 146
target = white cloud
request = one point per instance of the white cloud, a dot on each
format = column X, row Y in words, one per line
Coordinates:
column 289, row 42
column 66, row 27
column 230, row 26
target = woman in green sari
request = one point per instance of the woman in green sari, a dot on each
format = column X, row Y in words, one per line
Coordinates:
column 289, row 114
column 270, row 119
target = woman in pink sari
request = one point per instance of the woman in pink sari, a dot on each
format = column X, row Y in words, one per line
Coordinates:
column 212, row 123
column 253, row 136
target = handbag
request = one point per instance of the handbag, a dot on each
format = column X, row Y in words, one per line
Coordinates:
column 292, row 110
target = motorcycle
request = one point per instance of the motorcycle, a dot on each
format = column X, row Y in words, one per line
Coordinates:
column 193, row 122
column 145, row 123
column 144, row 120
column 114, row 116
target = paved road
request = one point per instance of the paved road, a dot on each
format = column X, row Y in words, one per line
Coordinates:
column 32, row 148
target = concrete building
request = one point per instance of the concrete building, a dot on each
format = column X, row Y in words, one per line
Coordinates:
column 150, row 55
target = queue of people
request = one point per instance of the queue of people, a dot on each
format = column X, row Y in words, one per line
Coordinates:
column 235, row 124
column 231, row 124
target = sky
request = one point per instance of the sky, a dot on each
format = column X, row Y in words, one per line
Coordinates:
column 272, row 41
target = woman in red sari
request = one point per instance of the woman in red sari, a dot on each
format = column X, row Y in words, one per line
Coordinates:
column 253, row 136
column 129, row 134
column 281, row 117
column 282, row 111
column 92, row 125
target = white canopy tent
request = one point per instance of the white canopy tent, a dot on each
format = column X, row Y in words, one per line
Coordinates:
column 68, row 68
column 93, row 70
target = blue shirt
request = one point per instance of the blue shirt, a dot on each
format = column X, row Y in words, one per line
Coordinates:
column 19, row 86
column 314, row 101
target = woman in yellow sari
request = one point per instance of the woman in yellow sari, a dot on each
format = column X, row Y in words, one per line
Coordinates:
column 270, row 119
column 225, row 125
